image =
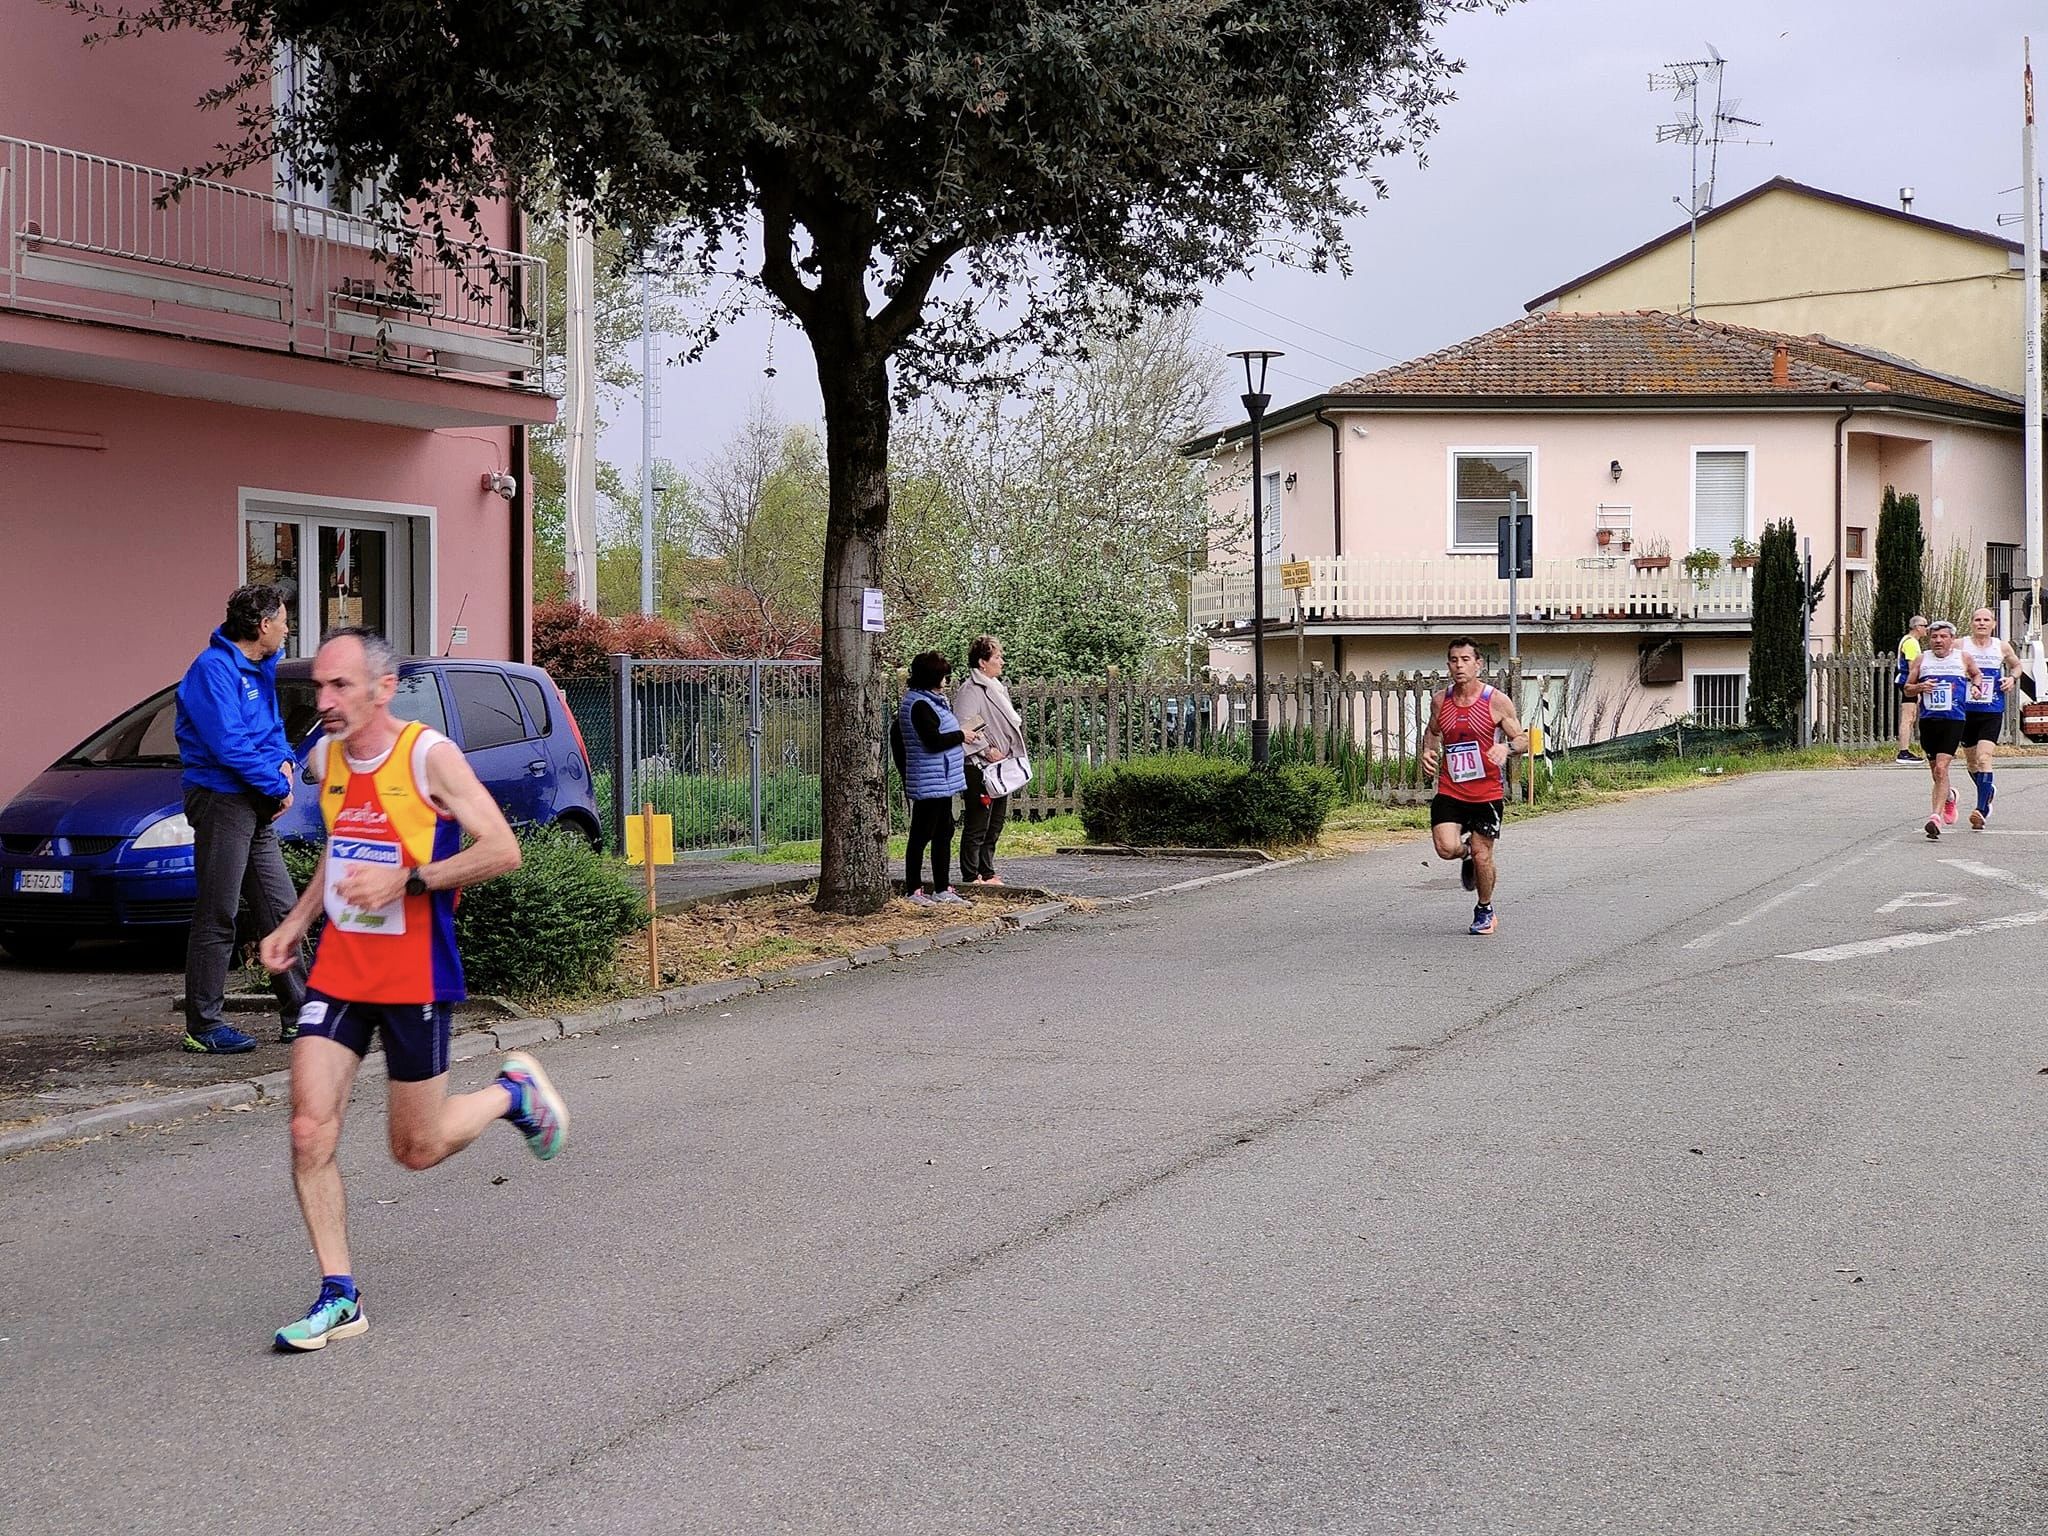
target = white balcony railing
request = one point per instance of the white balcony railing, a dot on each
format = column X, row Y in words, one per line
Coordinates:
column 1368, row 589
column 101, row 239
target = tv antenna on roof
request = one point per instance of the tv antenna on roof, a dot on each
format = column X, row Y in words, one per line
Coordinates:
column 1687, row 81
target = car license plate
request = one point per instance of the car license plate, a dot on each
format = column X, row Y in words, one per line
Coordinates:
column 51, row 882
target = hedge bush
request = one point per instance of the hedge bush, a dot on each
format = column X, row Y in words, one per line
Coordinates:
column 552, row 926
column 1200, row 802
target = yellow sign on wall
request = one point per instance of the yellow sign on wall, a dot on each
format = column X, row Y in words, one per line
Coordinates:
column 664, row 840
column 1294, row 575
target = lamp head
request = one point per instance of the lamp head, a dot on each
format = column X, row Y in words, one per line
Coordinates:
column 1614, row 469
column 1255, row 361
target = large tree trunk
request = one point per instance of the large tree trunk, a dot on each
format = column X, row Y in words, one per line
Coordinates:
column 855, row 874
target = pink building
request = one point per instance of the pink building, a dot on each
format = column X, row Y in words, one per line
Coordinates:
column 231, row 387
column 1633, row 440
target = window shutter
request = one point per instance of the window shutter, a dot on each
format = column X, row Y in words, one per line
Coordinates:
column 1720, row 499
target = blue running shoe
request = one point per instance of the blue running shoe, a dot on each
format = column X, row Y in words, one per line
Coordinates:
column 1482, row 920
column 221, row 1040
column 333, row 1316
column 538, row 1112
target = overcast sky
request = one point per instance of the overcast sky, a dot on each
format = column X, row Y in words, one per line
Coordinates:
column 1547, row 165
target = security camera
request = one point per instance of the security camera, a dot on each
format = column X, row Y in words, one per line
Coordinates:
column 504, row 484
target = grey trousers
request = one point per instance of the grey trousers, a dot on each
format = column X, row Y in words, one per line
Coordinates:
column 237, row 856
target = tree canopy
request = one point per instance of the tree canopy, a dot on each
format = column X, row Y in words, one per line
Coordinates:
column 924, row 186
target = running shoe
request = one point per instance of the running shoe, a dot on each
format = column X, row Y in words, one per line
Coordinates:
column 1468, row 876
column 538, row 1112
column 332, row 1317
column 1976, row 821
column 1907, row 760
column 1482, row 919
column 1948, row 812
column 950, row 898
column 288, row 1031
column 1934, row 829
column 221, row 1040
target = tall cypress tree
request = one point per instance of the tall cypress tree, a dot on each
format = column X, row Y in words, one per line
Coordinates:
column 1777, row 652
column 1899, row 547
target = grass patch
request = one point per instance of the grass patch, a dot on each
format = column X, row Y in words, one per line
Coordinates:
column 1021, row 840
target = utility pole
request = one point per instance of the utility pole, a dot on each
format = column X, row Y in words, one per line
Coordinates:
column 646, row 446
column 2030, row 302
column 581, row 532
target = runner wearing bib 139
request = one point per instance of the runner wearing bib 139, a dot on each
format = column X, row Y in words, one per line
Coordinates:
column 1472, row 731
column 398, row 799
column 1939, row 679
column 1998, row 668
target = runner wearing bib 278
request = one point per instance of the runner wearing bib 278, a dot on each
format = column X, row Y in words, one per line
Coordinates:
column 1472, row 731
column 1939, row 679
column 397, row 799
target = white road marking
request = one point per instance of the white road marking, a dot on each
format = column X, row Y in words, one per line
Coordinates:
column 1920, row 899
column 2014, row 832
column 1708, row 940
column 1714, row 936
column 1777, row 901
column 1863, row 948
column 1990, row 872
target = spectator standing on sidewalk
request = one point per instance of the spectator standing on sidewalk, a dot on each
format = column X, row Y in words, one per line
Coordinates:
column 983, row 701
column 1909, row 708
column 930, row 748
column 237, row 780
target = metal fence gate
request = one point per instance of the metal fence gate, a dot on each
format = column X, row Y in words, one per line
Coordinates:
column 730, row 749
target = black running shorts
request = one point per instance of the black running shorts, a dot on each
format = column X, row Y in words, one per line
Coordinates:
column 1481, row 818
column 1940, row 738
column 1982, row 725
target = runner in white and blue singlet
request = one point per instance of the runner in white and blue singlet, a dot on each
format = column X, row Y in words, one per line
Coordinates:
column 1998, row 668
column 1939, row 679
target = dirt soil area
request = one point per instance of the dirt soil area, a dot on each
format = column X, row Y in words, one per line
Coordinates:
column 722, row 940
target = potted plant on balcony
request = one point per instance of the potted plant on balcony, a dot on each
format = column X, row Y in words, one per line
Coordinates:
column 1603, row 536
column 1701, row 563
column 1656, row 555
column 1741, row 554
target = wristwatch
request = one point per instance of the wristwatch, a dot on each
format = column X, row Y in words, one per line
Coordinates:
column 414, row 885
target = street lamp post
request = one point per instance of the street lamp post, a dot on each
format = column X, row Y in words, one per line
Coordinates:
column 1255, row 402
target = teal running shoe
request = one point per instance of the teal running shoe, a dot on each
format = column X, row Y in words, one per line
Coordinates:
column 333, row 1317
column 538, row 1112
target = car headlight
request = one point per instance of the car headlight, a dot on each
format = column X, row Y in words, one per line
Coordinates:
column 174, row 831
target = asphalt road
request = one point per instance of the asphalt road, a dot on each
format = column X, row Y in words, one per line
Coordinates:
column 1278, row 1206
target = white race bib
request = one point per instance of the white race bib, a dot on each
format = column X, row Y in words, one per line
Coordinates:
column 1941, row 695
column 1983, row 687
column 345, row 854
column 1464, row 762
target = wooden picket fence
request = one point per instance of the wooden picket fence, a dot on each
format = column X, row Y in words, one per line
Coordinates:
column 1855, row 701
column 1366, row 729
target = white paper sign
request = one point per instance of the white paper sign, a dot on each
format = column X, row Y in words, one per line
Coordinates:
column 871, row 609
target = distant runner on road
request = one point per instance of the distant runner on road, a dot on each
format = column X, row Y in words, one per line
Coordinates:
column 398, row 799
column 1938, row 679
column 1998, row 668
column 1472, row 731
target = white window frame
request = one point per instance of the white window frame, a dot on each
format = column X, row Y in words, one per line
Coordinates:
column 1692, row 492
column 1269, row 512
column 310, row 208
column 1692, row 696
column 1492, row 546
column 417, row 526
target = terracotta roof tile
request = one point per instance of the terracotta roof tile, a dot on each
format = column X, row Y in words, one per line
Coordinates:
column 1647, row 352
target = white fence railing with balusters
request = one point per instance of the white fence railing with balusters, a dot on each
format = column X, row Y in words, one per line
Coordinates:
column 1423, row 590
column 90, row 237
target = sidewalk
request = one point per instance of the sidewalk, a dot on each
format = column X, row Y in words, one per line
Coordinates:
column 104, row 1030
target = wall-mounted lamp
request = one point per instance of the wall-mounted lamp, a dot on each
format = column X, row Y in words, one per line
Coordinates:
column 1614, row 469
column 1291, row 478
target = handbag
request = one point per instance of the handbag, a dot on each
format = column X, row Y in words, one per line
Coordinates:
column 1006, row 777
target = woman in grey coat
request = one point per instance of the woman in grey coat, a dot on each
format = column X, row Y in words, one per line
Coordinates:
column 981, row 696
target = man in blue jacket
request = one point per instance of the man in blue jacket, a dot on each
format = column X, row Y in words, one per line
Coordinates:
column 237, row 781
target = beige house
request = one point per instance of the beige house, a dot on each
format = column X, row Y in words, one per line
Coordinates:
column 1788, row 257
column 1630, row 438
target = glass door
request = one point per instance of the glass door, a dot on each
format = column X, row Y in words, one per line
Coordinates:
column 271, row 553
column 355, row 578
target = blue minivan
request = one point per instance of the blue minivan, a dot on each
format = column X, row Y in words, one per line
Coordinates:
column 98, row 846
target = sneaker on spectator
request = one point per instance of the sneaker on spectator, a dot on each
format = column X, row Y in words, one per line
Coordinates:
column 918, row 898
column 950, row 898
column 221, row 1040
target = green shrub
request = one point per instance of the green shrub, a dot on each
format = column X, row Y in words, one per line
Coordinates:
column 551, row 926
column 1200, row 802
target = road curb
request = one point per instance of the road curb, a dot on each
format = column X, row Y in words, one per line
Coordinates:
column 505, row 1034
